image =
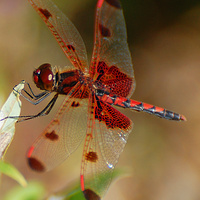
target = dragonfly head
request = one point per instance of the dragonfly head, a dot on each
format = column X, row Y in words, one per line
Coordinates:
column 43, row 77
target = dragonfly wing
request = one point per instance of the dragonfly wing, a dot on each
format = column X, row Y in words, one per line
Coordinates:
column 62, row 136
column 111, row 56
column 64, row 31
column 106, row 137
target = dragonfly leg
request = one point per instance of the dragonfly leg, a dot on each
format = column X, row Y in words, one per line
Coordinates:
column 44, row 112
column 32, row 98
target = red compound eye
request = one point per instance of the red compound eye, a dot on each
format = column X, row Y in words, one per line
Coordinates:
column 43, row 77
column 35, row 76
column 46, row 76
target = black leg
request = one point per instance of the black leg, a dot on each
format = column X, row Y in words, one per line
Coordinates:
column 34, row 99
column 44, row 112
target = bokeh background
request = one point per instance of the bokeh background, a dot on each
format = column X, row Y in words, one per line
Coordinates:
column 161, row 157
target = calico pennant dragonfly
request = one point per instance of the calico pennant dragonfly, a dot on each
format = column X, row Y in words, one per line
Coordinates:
column 91, row 90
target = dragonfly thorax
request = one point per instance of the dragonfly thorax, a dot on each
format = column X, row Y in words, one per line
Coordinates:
column 66, row 80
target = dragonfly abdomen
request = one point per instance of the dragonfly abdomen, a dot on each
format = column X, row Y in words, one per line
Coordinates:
column 139, row 106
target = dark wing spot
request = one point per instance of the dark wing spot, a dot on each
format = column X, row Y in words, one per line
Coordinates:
column 70, row 47
column 74, row 104
column 36, row 164
column 91, row 195
column 52, row 136
column 114, row 3
column 105, row 32
column 45, row 12
column 91, row 156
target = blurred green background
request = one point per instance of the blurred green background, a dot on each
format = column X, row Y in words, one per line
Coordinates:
column 161, row 157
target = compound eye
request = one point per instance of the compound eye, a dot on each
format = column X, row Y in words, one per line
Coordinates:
column 43, row 77
column 46, row 75
column 36, row 74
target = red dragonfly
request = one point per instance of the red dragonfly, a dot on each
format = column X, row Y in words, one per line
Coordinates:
column 91, row 90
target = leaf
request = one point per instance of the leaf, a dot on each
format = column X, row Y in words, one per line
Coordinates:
column 12, row 172
column 12, row 107
column 75, row 192
column 33, row 191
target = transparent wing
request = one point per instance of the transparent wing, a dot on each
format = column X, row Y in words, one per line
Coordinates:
column 64, row 31
column 111, row 48
column 106, row 137
column 63, row 135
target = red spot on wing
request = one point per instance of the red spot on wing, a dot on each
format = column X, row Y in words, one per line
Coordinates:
column 99, row 4
column 118, row 82
column 105, row 32
column 30, row 151
column 114, row 3
column 52, row 136
column 82, row 183
column 45, row 12
column 91, row 195
column 35, row 164
column 111, row 117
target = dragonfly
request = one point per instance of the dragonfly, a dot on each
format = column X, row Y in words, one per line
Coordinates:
column 92, row 94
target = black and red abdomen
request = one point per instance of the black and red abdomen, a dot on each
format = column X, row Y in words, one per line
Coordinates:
column 138, row 106
column 115, row 80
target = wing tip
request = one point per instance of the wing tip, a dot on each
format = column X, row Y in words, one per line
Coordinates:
column 36, row 165
column 91, row 195
column 33, row 162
